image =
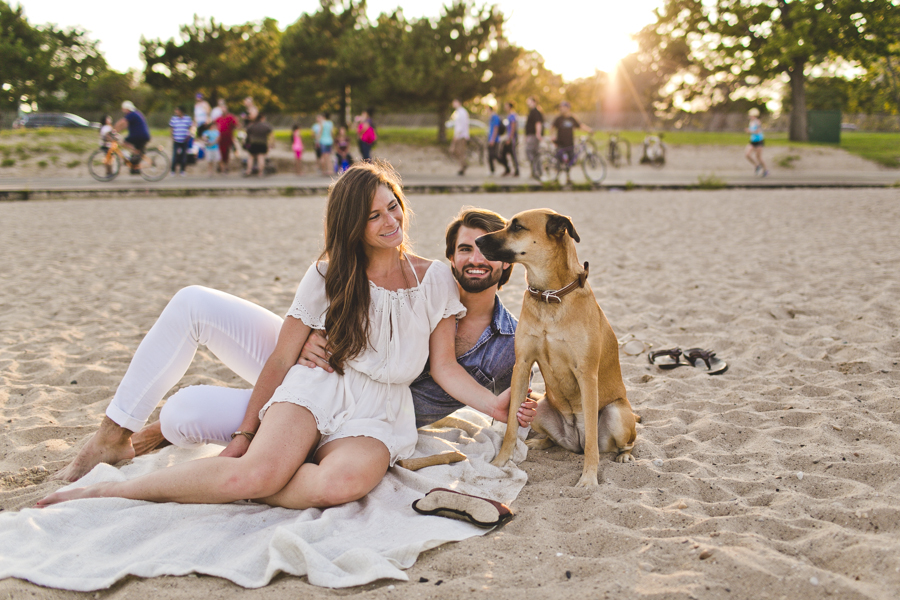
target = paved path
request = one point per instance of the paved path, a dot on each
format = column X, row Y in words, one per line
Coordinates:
column 24, row 188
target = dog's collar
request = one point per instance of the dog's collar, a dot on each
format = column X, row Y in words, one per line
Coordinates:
column 555, row 296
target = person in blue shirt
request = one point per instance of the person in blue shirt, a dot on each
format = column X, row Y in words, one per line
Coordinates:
column 494, row 133
column 511, row 143
column 138, row 131
column 757, row 141
column 239, row 332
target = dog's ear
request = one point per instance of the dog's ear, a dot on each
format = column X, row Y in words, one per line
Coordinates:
column 557, row 224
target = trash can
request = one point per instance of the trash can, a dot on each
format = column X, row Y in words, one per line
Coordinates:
column 824, row 126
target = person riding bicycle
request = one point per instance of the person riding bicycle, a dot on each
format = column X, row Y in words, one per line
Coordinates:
column 563, row 133
column 138, row 133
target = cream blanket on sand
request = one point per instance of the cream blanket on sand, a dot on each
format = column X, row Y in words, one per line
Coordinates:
column 88, row 545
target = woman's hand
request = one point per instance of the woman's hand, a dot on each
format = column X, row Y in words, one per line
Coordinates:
column 526, row 413
column 315, row 352
column 236, row 448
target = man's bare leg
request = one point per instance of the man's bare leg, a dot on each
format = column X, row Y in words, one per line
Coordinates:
column 149, row 439
column 111, row 444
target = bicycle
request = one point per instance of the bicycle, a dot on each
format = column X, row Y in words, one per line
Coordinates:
column 104, row 165
column 654, row 151
column 555, row 161
column 618, row 150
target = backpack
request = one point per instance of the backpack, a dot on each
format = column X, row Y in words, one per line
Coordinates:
column 369, row 136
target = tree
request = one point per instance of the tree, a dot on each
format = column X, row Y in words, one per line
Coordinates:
column 325, row 56
column 732, row 47
column 426, row 63
column 50, row 67
column 222, row 62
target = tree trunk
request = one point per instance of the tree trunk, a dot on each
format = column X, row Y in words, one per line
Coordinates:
column 442, row 124
column 798, row 130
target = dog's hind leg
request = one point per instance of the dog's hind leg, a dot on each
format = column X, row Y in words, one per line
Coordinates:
column 616, row 432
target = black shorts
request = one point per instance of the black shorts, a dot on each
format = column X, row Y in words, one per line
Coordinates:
column 257, row 149
column 138, row 143
column 758, row 144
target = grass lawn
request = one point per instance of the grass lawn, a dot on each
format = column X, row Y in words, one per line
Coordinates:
column 883, row 148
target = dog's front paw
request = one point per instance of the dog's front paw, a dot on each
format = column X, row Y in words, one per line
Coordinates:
column 625, row 457
column 500, row 461
column 587, row 480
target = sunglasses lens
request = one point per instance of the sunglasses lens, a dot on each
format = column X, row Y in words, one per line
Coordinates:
column 634, row 347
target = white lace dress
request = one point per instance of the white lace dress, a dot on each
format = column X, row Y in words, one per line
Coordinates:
column 372, row 398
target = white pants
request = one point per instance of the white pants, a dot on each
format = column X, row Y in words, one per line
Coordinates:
column 241, row 334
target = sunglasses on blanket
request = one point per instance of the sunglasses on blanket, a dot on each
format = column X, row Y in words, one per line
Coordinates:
column 632, row 346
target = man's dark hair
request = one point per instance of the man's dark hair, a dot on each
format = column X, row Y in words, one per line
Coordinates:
column 476, row 218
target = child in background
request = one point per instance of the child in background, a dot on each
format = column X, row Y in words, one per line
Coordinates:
column 211, row 140
column 342, row 158
column 297, row 145
column 107, row 134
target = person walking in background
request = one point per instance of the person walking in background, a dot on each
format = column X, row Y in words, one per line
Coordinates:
column 317, row 135
column 258, row 134
column 227, row 125
column 365, row 131
column 534, row 131
column 493, row 139
column 342, row 158
column 326, row 142
column 511, row 144
column 757, row 141
column 201, row 114
column 564, row 127
column 216, row 113
column 211, row 141
column 297, row 147
column 180, row 130
column 460, row 135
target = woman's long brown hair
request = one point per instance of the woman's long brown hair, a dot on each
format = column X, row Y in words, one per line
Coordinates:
column 346, row 282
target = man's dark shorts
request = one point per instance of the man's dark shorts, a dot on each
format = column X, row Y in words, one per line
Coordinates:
column 138, row 143
column 758, row 144
column 257, row 149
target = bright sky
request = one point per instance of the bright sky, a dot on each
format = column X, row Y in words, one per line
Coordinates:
column 575, row 37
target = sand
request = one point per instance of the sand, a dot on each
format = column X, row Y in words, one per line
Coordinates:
column 776, row 479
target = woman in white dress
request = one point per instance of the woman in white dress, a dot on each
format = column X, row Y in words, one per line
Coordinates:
column 328, row 438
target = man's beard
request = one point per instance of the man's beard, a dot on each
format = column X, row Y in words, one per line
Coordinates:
column 473, row 286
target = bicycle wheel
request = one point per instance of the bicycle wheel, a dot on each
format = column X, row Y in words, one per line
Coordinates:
column 103, row 168
column 154, row 165
column 594, row 167
column 548, row 167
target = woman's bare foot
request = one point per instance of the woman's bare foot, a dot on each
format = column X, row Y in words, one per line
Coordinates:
column 92, row 491
column 111, row 444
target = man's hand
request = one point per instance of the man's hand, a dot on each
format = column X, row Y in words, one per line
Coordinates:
column 236, row 448
column 315, row 352
column 526, row 413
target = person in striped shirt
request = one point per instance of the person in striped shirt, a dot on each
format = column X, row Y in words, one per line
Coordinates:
column 180, row 126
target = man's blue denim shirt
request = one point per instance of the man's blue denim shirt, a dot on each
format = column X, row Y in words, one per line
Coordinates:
column 490, row 362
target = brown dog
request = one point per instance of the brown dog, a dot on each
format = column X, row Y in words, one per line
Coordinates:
column 563, row 329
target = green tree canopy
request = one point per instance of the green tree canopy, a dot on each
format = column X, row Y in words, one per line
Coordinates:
column 325, row 56
column 723, row 49
column 219, row 61
column 50, row 67
column 426, row 63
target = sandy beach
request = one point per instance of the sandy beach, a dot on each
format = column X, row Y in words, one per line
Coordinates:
column 777, row 479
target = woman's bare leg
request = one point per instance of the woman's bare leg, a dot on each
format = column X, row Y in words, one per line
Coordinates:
column 749, row 153
column 285, row 439
column 344, row 470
